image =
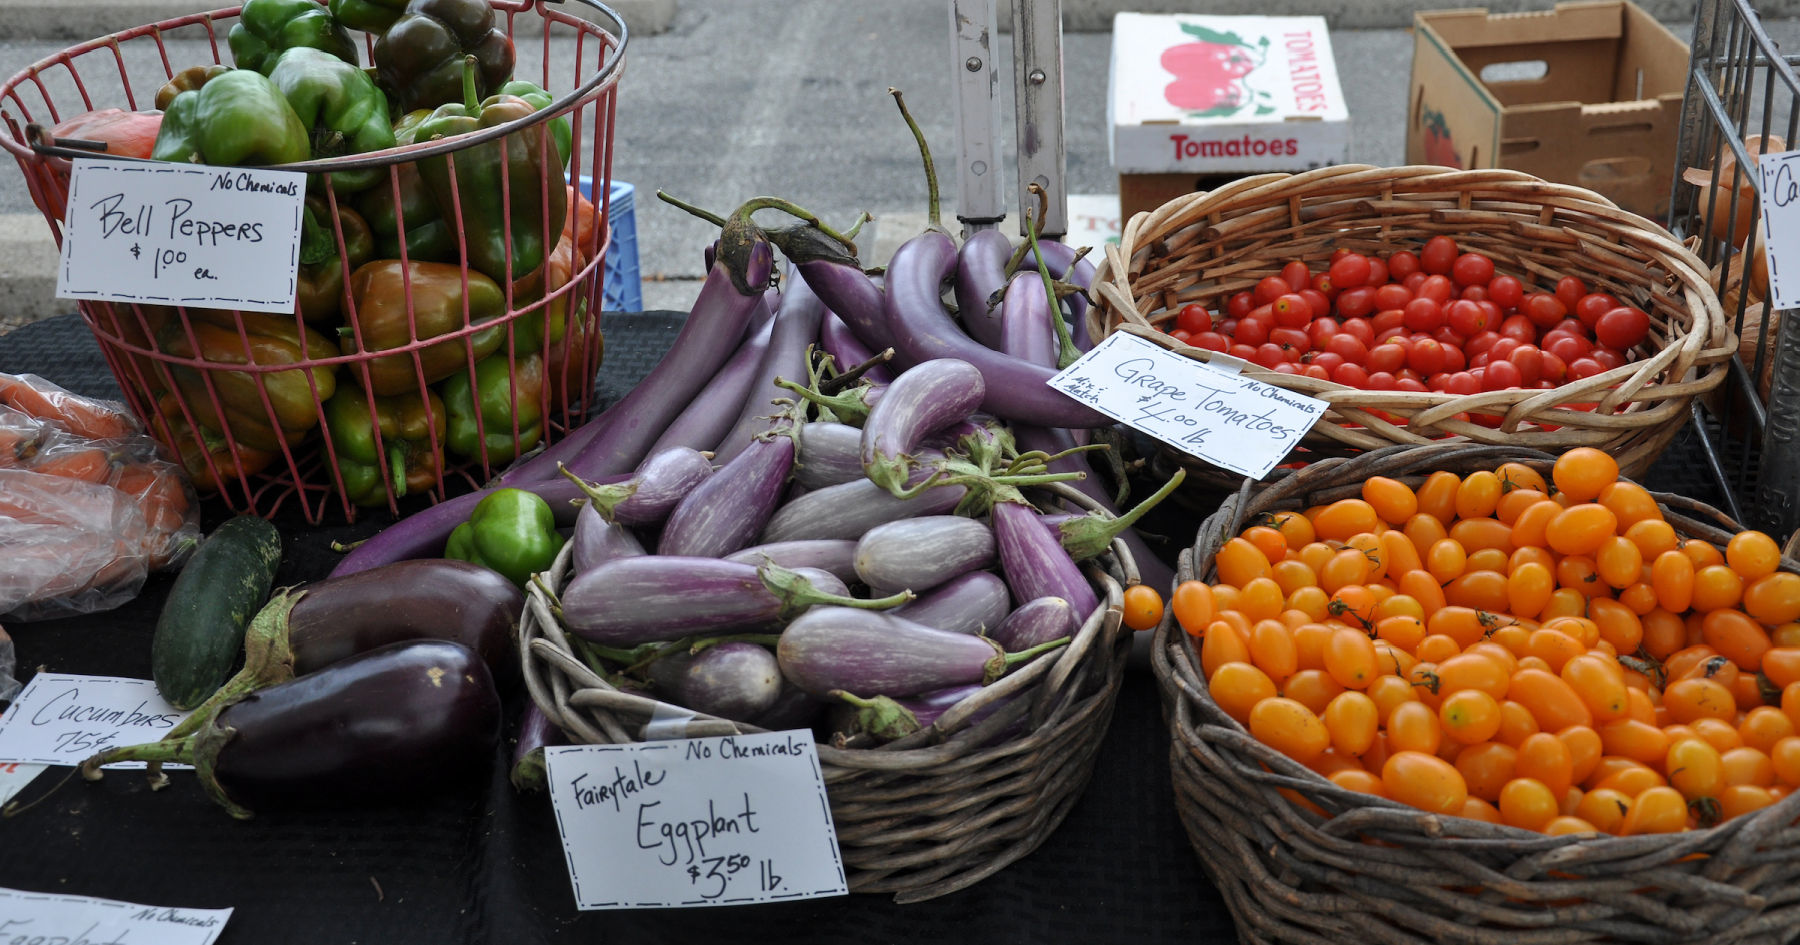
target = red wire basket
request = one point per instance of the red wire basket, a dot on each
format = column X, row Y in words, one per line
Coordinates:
column 242, row 396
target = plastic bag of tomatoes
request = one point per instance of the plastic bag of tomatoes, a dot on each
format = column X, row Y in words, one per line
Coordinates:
column 1480, row 664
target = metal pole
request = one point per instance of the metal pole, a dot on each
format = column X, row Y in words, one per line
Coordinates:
column 978, row 202
column 1038, row 80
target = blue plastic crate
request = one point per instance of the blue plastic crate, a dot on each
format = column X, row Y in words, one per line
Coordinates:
column 624, row 290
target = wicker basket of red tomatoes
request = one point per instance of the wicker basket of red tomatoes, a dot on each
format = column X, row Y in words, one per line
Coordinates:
column 1426, row 304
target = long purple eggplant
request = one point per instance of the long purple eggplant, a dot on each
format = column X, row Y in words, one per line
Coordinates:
column 725, row 513
column 848, row 351
column 536, row 732
column 923, row 330
column 598, row 541
column 925, row 398
column 796, row 329
column 971, row 603
column 422, row 534
column 1027, row 331
column 665, row 597
column 710, row 415
column 831, row 649
column 981, row 272
column 827, row 454
column 921, row 553
column 852, row 508
column 391, row 724
column 653, row 491
column 850, row 294
column 1033, row 560
column 1036, row 621
column 836, row 556
column 735, row 680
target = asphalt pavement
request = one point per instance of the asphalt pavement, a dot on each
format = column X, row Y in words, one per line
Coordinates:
column 729, row 100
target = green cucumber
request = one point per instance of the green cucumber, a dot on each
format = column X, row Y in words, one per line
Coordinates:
column 200, row 632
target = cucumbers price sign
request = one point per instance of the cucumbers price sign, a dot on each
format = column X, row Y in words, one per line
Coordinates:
column 695, row 822
column 182, row 234
column 1227, row 419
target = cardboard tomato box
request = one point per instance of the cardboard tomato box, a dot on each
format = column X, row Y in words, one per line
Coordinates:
column 1586, row 94
column 1195, row 100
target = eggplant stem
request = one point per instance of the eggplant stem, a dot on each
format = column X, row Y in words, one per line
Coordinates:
column 345, row 548
column 537, row 581
column 857, row 224
column 931, row 181
column 1087, row 536
column 763, row 639
column 603, row 498
column 268, row 661
column 1067, row 353
column 838, row 383
column 847, row 405
column 797, row 593
column 706, row 215
column 794, row 210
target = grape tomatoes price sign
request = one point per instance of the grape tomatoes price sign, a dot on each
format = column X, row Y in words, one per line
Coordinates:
column 1227, row 419
column 182, row 234
column 1781, row 220
column 695, row 822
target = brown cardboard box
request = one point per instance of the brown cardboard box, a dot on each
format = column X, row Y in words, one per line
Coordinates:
column 1587, row 94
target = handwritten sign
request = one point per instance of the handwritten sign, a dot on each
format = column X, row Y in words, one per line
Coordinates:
column 182, row 234
column 1228, row 420
column 62, row 720
column 29, row 918
column 697, row 822
column 1781, row 223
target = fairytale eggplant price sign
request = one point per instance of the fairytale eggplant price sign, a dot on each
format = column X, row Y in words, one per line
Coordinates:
column 1227, row 419
column 182, row 234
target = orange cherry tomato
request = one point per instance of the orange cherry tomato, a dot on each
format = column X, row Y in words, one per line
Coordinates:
column 1515, row 502
column 1531, row 528
column 1267, row 539
column 1478, row 495
column 1694, row 768
column 1143, row 607
column 1773, row 599
column 1469, row 716
column 1605, row 809
column 1437, row 495
column 1516, row 476
column 1290, row 728
column 1631, row 502
column 1393, row 500
column 1579, row 573
column 1528, row 803
column 1238, row 687
column 1653, row 537
column 1192, row 604
column 1581, row 529
column 1424, row 531
column 1354, row 605
column 1222, row 644
column 1356, row 779
column 1311, row 601
column 1690, row 699
column 1261, row 599
column 1552, row 702
column 1736, row 636
column 1739, row 799
column 1581, row 473
column 1345, row 517
column 1240, row 561
column 1486, row 767
column 1400, row 553
column 1516, row 724
column 1478, row 534
column 1353, row 719
column 1702, row 553
column 1640, row 597
column 1716, row 587
column 1446, row 559
column 1752, row 554
column 1747, row 766
column 1569, row 825
column 1424, row 680
column 1616, row 624
column 1554, row 647
column 1413, row 726
column 1598, row 684
column 1470, row 670
column 1528, row 589
column 1272, row 649
column 1424, row 781
column 1585, row 749
column 1294, row 527
column 1620, row 563
column 1388, row 692
column 1347, row 566
column 1784, row 757
column 1546, row 758
column 1722, row 734
column 1763, row 726
column 1672, row 576
column 1312, row 688
column 1484, row 590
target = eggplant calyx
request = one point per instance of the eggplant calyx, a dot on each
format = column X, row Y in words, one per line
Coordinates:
column 881, row 716
column 268, row 661
column 805, row 243
column 208, row 742
column 530, row 773
column 604, row 498
column 1088, row 536
column 850, row 406
column 998, row 666
column 746, row 254
column 796, row 592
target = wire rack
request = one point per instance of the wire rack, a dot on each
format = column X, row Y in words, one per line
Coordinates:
column 1742, row 99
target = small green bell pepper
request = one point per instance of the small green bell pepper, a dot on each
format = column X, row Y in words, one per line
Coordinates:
column 419, row 59
column 267, row 28
column 482, row 418
column 239, row 118
column 409, row 426
column 511, row 531
column 370, row 16
column 560, row 130
column 538, row 191
column 341, row 108
column 319, row 284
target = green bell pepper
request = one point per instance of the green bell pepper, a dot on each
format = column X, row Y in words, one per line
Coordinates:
column 341, row 108
column 428, row 237
column 239, row 118
column 560, row 130
column 267, row 28
column 370, row 16
column 516, row 161
column 409, row 426
column 511, row 531
column 482, row 418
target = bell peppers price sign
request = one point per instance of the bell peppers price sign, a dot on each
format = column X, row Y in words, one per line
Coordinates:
column 1227, row 419
column 31, row 918
column 695, row 822
column 182, row 234
column 1781, row 221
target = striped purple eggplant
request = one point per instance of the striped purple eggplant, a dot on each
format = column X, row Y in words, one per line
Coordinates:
column 1033, row 560
column 924, row 399
column 598, row 541
column 921, row 553
column 836, row 556
column 653, row 492
column 795, row 330
column 735, row 680
column 1027, row 326
column 830, row 649
column 827, row 454
column 975, row 602
column 852, row 508
column 1037, row 621
column 848, row 351
column 725, row 513
column 709, row 417
column 980, row 272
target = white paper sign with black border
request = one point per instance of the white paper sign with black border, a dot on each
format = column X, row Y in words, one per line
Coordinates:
column 1781, row 225
column 32, row 917
column 182, row 234
column 696, row 822
column 64, row 719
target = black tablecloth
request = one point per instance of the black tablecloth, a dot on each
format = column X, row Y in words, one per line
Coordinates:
column 485, row 864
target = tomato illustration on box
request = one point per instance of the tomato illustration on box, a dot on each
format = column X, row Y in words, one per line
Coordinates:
column 1209, row 72
column 1439, row 148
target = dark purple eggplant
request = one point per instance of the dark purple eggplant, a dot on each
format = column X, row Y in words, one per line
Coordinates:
column 848, row 351
column 923, row 331
column 598, row 541
column 536, row 732
column 972, row 603
column 921, row 553
column 796, row 331
column 836, row 556
column 828, row 649
column 827, row 454
column 1035, row 622
column 735, row 680
column 423, row 533
column 980, row 272
column 656, row 598
column 388, row 725
column 703, row 424
column 725, row 513
column 850, row 294
column 849, row 509
column 925, row 398
column 1027, row 323
column 1033, row 561
column 653, row 491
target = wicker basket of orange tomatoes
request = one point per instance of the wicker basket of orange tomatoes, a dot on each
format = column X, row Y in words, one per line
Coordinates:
column 1469, row 693
column 1426, row 304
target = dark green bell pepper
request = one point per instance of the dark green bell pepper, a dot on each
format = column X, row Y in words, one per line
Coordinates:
column 428, row 237
column 518, row 161
column 560, row 130
column 341, row 108
column 405, row 458
column 370, row 16
column 267, row 28
column 497, row 403
column 239, row 117
column 511, row 531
